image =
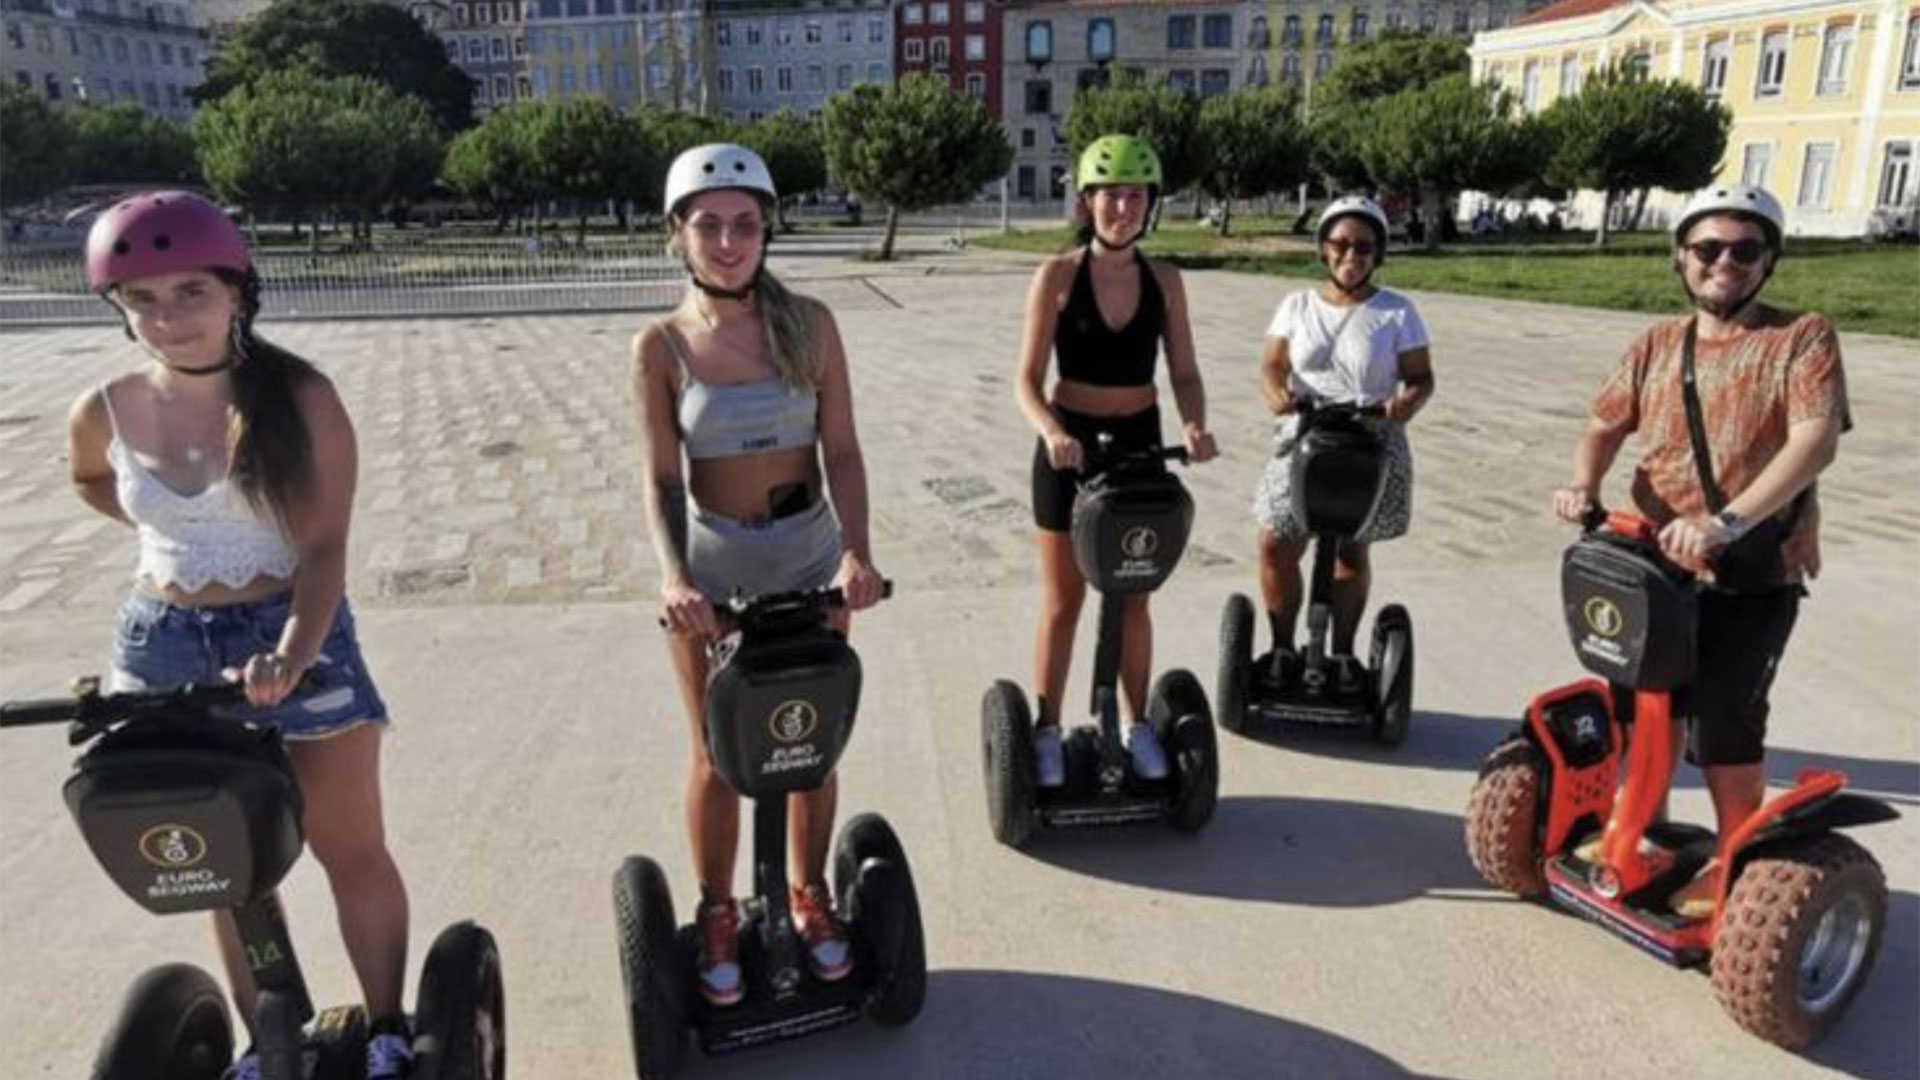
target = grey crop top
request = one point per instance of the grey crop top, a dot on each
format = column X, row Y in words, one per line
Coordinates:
column 720, row 420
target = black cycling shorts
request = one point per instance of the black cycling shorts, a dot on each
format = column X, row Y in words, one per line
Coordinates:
column 1053, row 490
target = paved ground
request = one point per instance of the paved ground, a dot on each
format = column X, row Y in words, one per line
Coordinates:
column 1327, row 924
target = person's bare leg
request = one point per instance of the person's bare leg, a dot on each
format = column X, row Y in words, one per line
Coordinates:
column 1282, row 592
column 713, row 809
column 1062, row 592
column 1352, row 579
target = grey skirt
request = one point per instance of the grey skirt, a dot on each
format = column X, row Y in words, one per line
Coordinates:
column 782, row 555
column 1277, row 510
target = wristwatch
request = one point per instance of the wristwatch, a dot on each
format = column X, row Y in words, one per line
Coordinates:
column 1735, row 525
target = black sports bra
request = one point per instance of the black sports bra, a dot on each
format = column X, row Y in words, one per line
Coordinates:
column 1091, row 352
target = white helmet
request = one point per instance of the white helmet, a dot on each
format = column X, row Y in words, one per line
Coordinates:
column 1353, row 206
column 1744, row 199
column 717, row 167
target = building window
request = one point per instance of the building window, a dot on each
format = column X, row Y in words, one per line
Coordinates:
column 1216, row 31
column 913, row 14
column 1713, row 67
column 476, row 49
column 1756, row 161
column 1026, row 138
column 724, row 79
column 1530, row 86
column 845, row 28
column 1836, row 55
column 1463, row 20
column 974, row 11
column 976, row 47
column 1100, row 40
column 816, row 77
column 754, row 31
column 937, row 51
column 1290, row 32
column 938, row 13
column 520, row 49
column 876, row 71
column 1396, row 20
column 483, row 14
column 1023, row 182
column 1324, row 35
column 453, row 49
column 1322, row 63
column 1257, row 71
column 876, row 31
column 915, row 49
column 525, row 85
column 783, row 32
column 54, row 92
column 1429, row 20
column 1039, row 97
column 1290, row 69
column 1215, row 81
column 843, row 77
column 1773, row 64
column 593, row 77
column 499, row 48
column 813, row 32
column 1181, row 80
column 1180, row 32
column 1816, row 176
column 1257, row 36
column 1569, row 76
column 783, row 80
column 1039, row 42
column 756, row 81
column 1359, row 29
column 976, row 84
column 1896, row 177
column 1910, row 61
column 722, row 32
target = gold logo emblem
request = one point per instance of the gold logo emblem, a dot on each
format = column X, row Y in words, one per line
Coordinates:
column 1603, row 616
column 172, row 847
column 792, row 721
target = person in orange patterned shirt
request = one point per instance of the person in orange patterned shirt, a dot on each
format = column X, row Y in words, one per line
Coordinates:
column 1773, row 403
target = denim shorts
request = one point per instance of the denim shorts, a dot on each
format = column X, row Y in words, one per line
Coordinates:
column 157, row 645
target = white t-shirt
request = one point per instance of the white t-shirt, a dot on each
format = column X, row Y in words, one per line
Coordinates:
column 1363, row 365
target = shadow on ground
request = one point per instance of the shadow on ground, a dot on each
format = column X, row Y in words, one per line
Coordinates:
column 1013, row 1025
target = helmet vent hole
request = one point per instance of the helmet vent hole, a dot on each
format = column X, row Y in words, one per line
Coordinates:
column 162, row 242
column 121, row 247
column 708, row 167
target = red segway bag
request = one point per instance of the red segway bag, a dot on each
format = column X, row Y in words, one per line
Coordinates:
column 1633, row 615
column 780, row 707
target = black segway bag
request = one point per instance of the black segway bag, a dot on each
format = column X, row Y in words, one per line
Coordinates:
column 1339, row 474
column 1633, row 616
column 1130, row 529
column 780, row 707
column 189, row 815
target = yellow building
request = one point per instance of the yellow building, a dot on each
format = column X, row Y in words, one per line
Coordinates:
column 1825, row 96
column 1296, row 42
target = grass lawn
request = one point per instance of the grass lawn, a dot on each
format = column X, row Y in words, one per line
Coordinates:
column 1861, row 287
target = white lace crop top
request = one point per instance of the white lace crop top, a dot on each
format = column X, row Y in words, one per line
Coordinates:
column 192, row 541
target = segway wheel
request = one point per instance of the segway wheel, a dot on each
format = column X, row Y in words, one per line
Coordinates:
column 1503, row 819
column 460, row 1016
column 1236, row 662
column 1177, row 709
column 1798, row 937
column 880, row 905
column 650, row 964
column 172, row 1026
column 1006, row 730
column 1392, row 666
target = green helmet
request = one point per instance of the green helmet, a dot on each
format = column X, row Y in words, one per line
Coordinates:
column 1118, row 159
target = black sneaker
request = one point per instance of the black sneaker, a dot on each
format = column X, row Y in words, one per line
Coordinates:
column 1349, row 676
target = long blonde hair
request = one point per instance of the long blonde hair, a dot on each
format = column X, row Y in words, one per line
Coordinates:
column 792, row 321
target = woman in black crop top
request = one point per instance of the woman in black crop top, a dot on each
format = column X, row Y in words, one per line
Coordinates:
column 1104, row 309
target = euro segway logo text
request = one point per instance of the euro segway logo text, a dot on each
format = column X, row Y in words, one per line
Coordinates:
column 1139, row 544
column 172, row 847
column 1602, row 616
column 790, row 722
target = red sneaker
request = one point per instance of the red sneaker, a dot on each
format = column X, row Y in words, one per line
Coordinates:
column 829, row 953
column 718, row 924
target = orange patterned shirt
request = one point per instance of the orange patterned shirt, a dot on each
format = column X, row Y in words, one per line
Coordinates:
column 1753, row 386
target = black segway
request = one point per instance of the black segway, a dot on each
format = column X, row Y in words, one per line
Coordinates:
column 1131, row 518
column 1339, row 476
column 780, row 706
column 190, row 809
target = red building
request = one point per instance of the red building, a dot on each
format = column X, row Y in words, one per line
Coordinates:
column 957, row 40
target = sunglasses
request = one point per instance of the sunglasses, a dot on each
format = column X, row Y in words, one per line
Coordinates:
column 1362, row 248
column 1744, row 252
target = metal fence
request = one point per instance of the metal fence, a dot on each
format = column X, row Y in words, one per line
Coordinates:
column 408, row 277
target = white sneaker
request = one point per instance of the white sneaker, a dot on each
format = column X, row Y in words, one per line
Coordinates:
column 1149, row 761
column 389, row 1057
column 1049, row 758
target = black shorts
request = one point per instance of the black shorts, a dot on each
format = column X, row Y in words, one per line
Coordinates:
column 1053, row 490
column 1742, row 637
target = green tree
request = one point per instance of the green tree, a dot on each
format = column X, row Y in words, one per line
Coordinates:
column 1259, row 146
column 125, row 143
column 668, row 133
column 912, row 144
column 1366, row 73
column 1623, row 131
column 1167, row 119
column 300, row 145
column 790, row 145
column 587, row 152
column 36, row 145
column 492, row 163
column 1433, row 142
column 330, row 38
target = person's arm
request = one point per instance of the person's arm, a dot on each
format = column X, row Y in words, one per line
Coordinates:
column 1415, row 384
column 1183, row 370
column 1036, row 344
column 1811, row 445
column 89, row 430
column 317, row 528
column 1276, row 375
column 1599, row 445
column 664, row 490
column 846, row 471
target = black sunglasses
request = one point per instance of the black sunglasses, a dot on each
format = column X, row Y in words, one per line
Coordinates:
column 1744, row 252
column 1362, row 248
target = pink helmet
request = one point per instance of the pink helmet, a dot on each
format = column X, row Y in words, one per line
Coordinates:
column 162, row 232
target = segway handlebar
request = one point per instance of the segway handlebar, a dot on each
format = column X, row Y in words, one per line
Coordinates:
column 1102, row 457
column 92, row 712
column 1337, row 409
column 741, row 609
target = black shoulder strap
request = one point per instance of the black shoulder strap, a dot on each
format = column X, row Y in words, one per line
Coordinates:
column 1697, row 424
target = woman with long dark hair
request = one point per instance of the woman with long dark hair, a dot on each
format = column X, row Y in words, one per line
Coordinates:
column 235, row 461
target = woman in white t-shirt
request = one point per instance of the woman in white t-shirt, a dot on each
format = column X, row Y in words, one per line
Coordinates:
column 1344, row 342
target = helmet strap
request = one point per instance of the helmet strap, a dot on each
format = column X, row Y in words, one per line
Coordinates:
column 719, row 293
column 211, row 369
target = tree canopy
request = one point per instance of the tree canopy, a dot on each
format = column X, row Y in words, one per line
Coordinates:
column 35, row 146
column 1259, row 145
column 1166, row 118
column 123, row 142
